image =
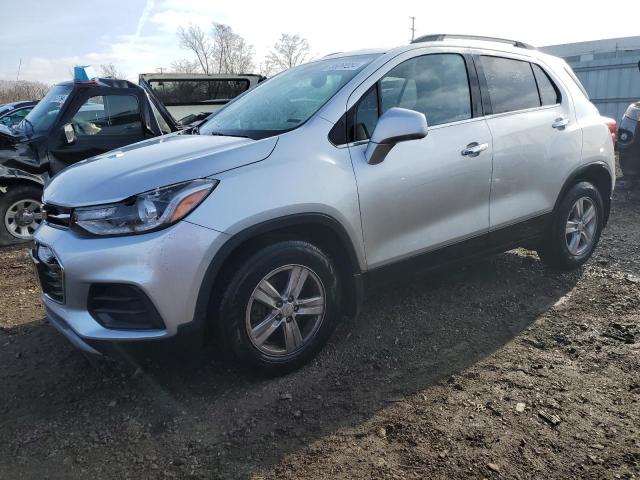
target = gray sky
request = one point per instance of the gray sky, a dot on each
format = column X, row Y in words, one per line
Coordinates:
column 140, row 35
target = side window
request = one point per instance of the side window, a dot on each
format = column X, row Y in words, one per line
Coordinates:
column 108, row 115
column 511, row 84
column 193, row 91
column 436, row 85
column 549, row 94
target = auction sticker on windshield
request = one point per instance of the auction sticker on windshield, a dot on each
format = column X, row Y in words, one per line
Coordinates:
column 344, row 66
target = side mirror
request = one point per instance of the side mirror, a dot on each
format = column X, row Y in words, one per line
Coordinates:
column 69, row 133
column 395, row 125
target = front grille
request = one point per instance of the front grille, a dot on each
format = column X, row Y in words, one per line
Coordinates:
column 50, row 272
column 122, row 307
column 56, row 216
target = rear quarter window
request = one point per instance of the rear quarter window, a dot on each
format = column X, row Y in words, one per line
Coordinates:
column 549, row 93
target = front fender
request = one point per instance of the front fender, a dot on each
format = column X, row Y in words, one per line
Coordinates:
column 12, row 175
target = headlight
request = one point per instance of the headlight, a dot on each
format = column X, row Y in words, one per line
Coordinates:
column 147, row 211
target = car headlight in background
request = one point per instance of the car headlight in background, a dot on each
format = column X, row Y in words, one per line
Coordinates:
column 146, row 211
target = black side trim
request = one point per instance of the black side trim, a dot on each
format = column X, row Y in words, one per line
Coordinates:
column 496, row 241
column 484, row 89
column 474, row 87
column 204, row 294
column 338, row 133
column 424, row 262
column 517, row 234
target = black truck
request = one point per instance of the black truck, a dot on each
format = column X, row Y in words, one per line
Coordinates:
column 74, row 121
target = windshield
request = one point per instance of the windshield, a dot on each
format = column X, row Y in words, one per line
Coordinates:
column 45, row 112
column 287, row 100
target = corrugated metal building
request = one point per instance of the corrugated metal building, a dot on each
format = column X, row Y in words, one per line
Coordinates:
column 608, row 69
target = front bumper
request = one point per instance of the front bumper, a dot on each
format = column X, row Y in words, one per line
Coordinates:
column 168, row 266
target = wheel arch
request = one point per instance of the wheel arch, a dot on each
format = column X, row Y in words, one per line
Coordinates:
column 12, row 180
column 320, row 229
column 599, row 175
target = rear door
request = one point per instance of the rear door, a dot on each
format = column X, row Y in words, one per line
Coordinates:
column 427, row 193
column 536, row 140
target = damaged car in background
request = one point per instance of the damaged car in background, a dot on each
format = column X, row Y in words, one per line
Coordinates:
column 83, row 118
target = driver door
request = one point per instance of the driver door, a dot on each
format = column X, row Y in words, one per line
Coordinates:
column 428, row 193
column 101, row 123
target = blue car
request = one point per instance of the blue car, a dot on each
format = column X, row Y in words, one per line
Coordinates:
column 13, row 113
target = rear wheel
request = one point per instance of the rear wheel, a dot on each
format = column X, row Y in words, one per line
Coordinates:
column 280, row 306
column 20, row 213
column 575, row 229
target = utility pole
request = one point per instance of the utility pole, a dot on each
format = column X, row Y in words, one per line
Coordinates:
column 413, row 28
column 160, row 69
column 19, row 67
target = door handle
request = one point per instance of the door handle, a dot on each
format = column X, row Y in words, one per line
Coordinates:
column 474, row 149
column 560, row 123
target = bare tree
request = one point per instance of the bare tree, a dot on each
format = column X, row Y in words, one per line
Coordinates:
column 109, row 70
column 184, row 65
column 195, row 39
column 288, row 52
column 231, row 52
column 224, row 51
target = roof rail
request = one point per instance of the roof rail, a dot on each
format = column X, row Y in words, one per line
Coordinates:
column 438, row 37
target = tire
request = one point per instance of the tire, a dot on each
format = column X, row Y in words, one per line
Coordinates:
column 243, row 307
column 560, row 249
column 10, row 232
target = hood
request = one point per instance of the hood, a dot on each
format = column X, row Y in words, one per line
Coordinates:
column 157, row 162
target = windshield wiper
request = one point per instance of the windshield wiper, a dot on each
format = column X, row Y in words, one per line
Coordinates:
column 220, row 134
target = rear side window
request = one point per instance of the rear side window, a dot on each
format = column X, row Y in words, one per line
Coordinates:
column 511, row 84
column 549, row 94
column 184, row 92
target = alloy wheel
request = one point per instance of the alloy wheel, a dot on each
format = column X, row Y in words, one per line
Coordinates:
column 581, row 226
column 285, row 310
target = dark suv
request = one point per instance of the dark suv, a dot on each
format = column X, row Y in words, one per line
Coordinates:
column 628, row 143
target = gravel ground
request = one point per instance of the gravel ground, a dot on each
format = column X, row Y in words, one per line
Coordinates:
column 499, row 369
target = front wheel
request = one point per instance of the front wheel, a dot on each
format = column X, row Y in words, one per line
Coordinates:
column 575, row 229
column 280, row 306
column 20, row 213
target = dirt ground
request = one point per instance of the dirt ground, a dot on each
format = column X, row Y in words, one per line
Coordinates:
column 500, row 369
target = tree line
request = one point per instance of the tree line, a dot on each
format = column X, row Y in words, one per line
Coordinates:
column 221, row 50
column 13, row 91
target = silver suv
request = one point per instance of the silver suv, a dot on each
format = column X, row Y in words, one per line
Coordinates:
column 269, row 223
